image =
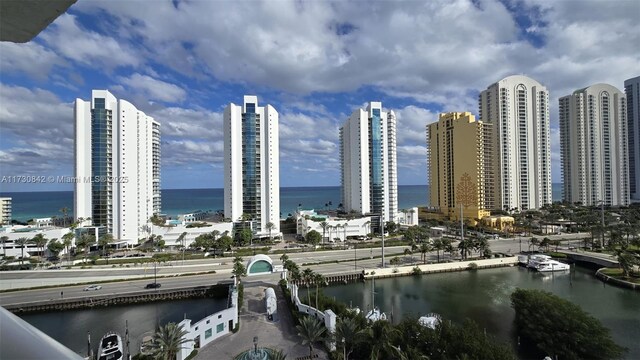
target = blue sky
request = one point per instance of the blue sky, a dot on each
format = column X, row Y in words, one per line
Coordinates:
column 182, row 62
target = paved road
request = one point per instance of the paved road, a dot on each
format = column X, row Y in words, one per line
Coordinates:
column 221, row 266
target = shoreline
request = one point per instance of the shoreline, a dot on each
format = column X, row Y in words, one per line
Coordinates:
column 615, row 281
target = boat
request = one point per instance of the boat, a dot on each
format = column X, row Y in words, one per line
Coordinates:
column 534, row 260
column 552, row 265
column 110, row 347
column 430, row 320
column 147, row 345
column 375, row 315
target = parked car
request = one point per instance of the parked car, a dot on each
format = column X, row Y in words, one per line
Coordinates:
column 92, row 287
column 152, row 286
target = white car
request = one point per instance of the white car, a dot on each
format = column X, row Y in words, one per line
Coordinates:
column 92, row 287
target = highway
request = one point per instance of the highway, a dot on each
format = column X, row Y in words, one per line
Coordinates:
column 222, row 266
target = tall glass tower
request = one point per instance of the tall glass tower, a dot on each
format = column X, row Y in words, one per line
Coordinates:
column 117, row 165
column 251, row 164
column 369, row 165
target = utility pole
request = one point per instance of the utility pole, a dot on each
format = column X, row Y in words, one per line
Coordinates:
column 382, row 228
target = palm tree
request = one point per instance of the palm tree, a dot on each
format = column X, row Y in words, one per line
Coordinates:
column 307, row 276
column 277, row 355
column 3, row 240
column 270, row 226
column 381, row 334
column 67, row 240
column 311, row 331
column 104, row 242
column 424, row 249
column 40, row 242
column 22, row 242
column 167, row 341
column 348, row 332
column 324, row 225
column 627, row 260
column 437, row 246
column 319, row 280
column 284, row 257
column 344, row 227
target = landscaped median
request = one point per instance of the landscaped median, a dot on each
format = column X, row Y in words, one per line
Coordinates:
column 616, row 276
column 441, row 267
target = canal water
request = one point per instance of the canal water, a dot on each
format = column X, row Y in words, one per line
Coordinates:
column 70, row 327
column 484, row 296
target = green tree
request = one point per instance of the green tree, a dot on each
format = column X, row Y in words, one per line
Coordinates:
column 307, row 277
column 244, row 237
column 67, row 240
column 381, row 336
column 85, row 241
column 238, row 267
column 424, row 249
column 55, row 247
column 350, row 331
column 104, row 242
column 569, row 332
column 391, row 227
column 22, row 242
column 627, row 260
column 40, row 242
column 3, row 240
column 270, row 227
column 313, row 237
column 311, row 331
column 167, row 341
column 318, row 279
column 438, row 246
column 224, row 242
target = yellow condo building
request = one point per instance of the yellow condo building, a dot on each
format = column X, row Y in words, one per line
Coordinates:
column 459, row 163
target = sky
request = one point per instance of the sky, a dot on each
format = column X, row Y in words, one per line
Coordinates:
column 316, row 62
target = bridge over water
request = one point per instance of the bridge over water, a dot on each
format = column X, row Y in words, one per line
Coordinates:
column 604, row 260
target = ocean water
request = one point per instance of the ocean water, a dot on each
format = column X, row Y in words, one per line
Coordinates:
column 29, row 205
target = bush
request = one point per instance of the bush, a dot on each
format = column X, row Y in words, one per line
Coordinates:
column 473, row 266
column 569, row 332
column 416, row 271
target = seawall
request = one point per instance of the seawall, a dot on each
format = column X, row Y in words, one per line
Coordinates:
column 116, row 299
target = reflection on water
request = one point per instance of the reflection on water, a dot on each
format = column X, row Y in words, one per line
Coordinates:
column 70, row 327
column 484, row 296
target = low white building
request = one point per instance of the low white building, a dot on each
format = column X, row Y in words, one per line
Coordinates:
column 195, row 216
column 5, row 210
column 9, row 246
column 437, row 231
column 337, row 229
column 170, row 234
column 407, row 217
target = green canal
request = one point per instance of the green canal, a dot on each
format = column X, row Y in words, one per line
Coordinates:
column 483, row 296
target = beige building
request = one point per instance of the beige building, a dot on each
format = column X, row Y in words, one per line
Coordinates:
column 5, row 210
column 459, row 165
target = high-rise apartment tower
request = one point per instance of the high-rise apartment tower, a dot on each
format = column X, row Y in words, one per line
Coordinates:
column 369, row 162
column 251, row 166
column 632, row 92
column 459, row 165
column 594, row 146
column 117, row 165
column 518, row 108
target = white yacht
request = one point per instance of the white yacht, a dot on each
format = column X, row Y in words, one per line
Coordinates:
column 110, row 347
column 534, row 260
column 375, row 315
column 552, row 265
column 430, row 320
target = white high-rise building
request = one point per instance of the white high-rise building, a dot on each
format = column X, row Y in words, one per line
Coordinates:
column 251, row 166
column 117, row 165
column 632, row 91
column 519, row 108
column 593, row 140
column 369, row 165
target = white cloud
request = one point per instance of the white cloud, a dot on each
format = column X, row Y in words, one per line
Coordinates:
column 154, row 89
column 31, row 58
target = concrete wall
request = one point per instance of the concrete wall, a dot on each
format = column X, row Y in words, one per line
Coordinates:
column 328, row 317
column 455, row 266
column 209, row 328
